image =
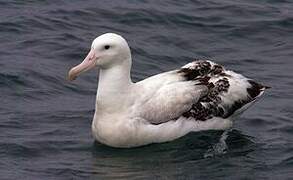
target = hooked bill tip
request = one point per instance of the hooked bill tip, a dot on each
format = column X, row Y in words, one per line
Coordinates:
column 71, row 75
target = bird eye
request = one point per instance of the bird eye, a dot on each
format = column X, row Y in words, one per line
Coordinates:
column 107, row 47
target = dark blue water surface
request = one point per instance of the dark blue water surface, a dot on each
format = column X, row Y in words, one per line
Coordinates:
column 45, row 121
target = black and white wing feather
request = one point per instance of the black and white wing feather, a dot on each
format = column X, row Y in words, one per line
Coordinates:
column 199, row 90
column 229, row 93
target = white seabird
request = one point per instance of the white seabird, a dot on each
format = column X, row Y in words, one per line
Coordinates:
column 199, row 96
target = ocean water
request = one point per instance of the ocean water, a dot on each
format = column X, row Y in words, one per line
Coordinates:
column 45, row 121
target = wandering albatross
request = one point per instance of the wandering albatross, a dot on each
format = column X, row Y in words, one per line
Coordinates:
column 201, row 95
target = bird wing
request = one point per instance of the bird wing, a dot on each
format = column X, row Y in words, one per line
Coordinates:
column 200, row 90
column 167, row 96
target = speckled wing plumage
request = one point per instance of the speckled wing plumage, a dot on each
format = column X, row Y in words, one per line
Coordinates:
column 199, row 90
column 228, row 92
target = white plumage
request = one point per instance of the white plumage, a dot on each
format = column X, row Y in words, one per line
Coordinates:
column 201, row 95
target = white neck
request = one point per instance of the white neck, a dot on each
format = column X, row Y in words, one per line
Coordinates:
column 116, row 77
column 114, row 85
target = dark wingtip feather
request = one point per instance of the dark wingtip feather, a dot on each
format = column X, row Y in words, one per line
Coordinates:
column 267, row 87
column 255, row 89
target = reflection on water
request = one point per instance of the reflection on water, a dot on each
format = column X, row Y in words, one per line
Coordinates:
column 179, row 158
